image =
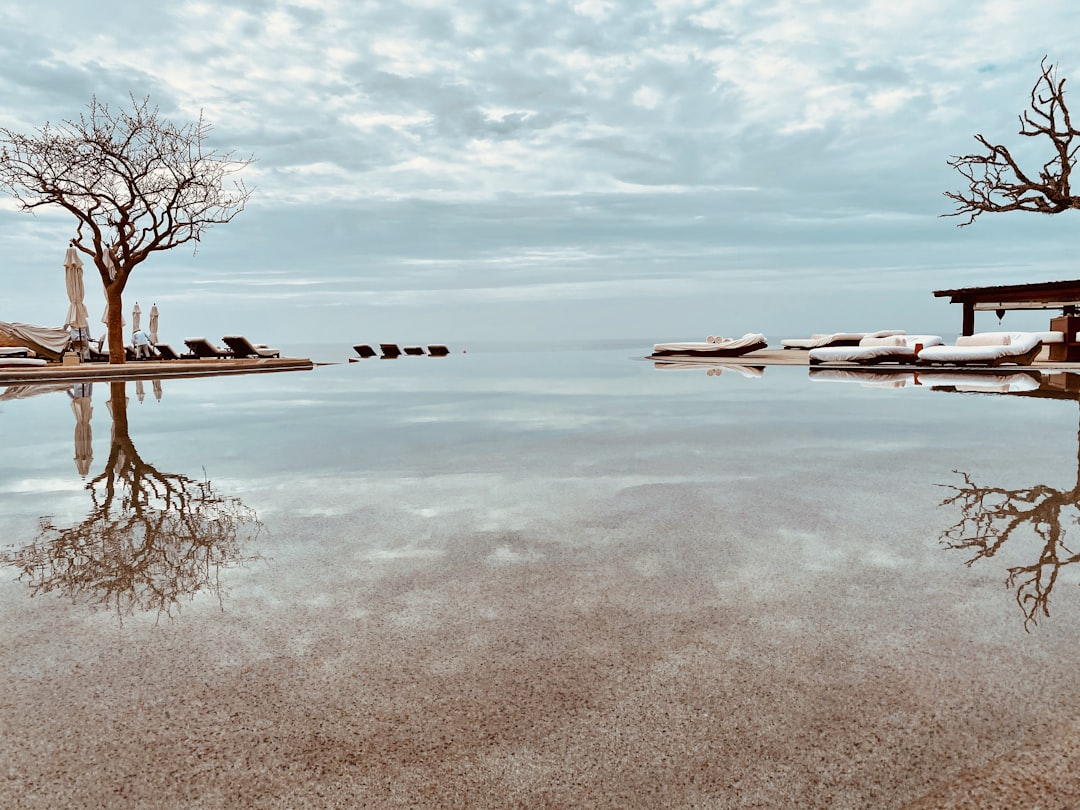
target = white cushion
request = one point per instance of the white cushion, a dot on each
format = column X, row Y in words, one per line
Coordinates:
column 895, row 340
column 985, row 339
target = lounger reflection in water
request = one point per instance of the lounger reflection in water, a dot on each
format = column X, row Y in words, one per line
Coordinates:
column 713, row 370
column 876, row 349
column 994, row 383
column 964, row 382
column 713, row 347
column 242, row 347
column 986, row 349
column 867, row 379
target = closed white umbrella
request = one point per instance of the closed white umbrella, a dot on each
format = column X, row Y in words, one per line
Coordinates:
column 153, row 324
column 77, row 316
column 78, row 319
column 136, row 318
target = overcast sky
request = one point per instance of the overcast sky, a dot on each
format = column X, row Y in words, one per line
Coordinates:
column 441, row 171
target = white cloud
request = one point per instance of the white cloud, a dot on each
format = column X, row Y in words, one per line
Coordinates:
column 398, row 134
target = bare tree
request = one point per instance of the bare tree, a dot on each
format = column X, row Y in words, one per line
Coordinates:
column 150, row 539
column 996, row 181
column 135, row 182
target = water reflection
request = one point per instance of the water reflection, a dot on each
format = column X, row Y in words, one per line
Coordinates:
column 150, row 539
column 991, row 516
column 711, row 369
column 990, row 382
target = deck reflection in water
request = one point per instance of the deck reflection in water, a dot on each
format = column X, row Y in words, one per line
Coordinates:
column 150, row 540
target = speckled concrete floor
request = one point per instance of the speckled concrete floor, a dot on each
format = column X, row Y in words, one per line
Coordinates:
column 509, row 671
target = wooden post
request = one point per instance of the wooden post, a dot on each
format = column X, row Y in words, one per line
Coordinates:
column 969, row 319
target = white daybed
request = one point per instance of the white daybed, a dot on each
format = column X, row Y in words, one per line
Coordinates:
column 987, row 349
column 713, row 347
column 872, row 350
column 836, row 339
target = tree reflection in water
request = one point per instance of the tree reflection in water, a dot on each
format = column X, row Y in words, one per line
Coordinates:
column 150, row 540
column 991, row 516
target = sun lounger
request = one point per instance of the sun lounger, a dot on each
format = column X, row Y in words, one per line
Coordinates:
column 438, row 350
column 204, row 349
column 874, row 350
column 167, row 352
column 389, row 350
column 414, row 350
column 364, row 350
column 714, row 347
column 986, row 349
column 242, row 347
column 18, row 356
column 836, row 339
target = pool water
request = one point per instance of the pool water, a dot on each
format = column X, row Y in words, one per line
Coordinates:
column 523, row 578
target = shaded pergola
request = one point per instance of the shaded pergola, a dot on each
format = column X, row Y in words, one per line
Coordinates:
column 1051, row 295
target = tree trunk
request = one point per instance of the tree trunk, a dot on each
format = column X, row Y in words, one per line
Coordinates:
column 115, row 322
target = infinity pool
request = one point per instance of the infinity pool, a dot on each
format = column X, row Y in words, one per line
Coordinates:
column 540, row 579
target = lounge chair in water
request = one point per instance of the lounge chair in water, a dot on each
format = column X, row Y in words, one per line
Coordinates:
column 242, row 347
column 389, row 350
column 836, row 339
column 204, row 349
column 874, row 350
column 713, row 347
column 167, row 352
column 364, row 350
column 438, row 350
column 986, row 349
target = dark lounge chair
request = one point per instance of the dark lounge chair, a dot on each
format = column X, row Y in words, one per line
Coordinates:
column 438, row 350
column 389, row 350
column 364, row 350
column 242, row 347
column 167, row 352
column 414, row 350
column 205, row 350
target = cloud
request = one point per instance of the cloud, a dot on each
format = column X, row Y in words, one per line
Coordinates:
column 506, row 152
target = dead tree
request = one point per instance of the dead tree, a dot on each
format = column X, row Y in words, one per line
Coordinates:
column 996, row 181
column 136, row 184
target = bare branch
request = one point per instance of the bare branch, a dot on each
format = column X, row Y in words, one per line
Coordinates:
column 995, row 180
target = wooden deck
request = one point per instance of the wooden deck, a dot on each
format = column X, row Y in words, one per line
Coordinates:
column 149, row 369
